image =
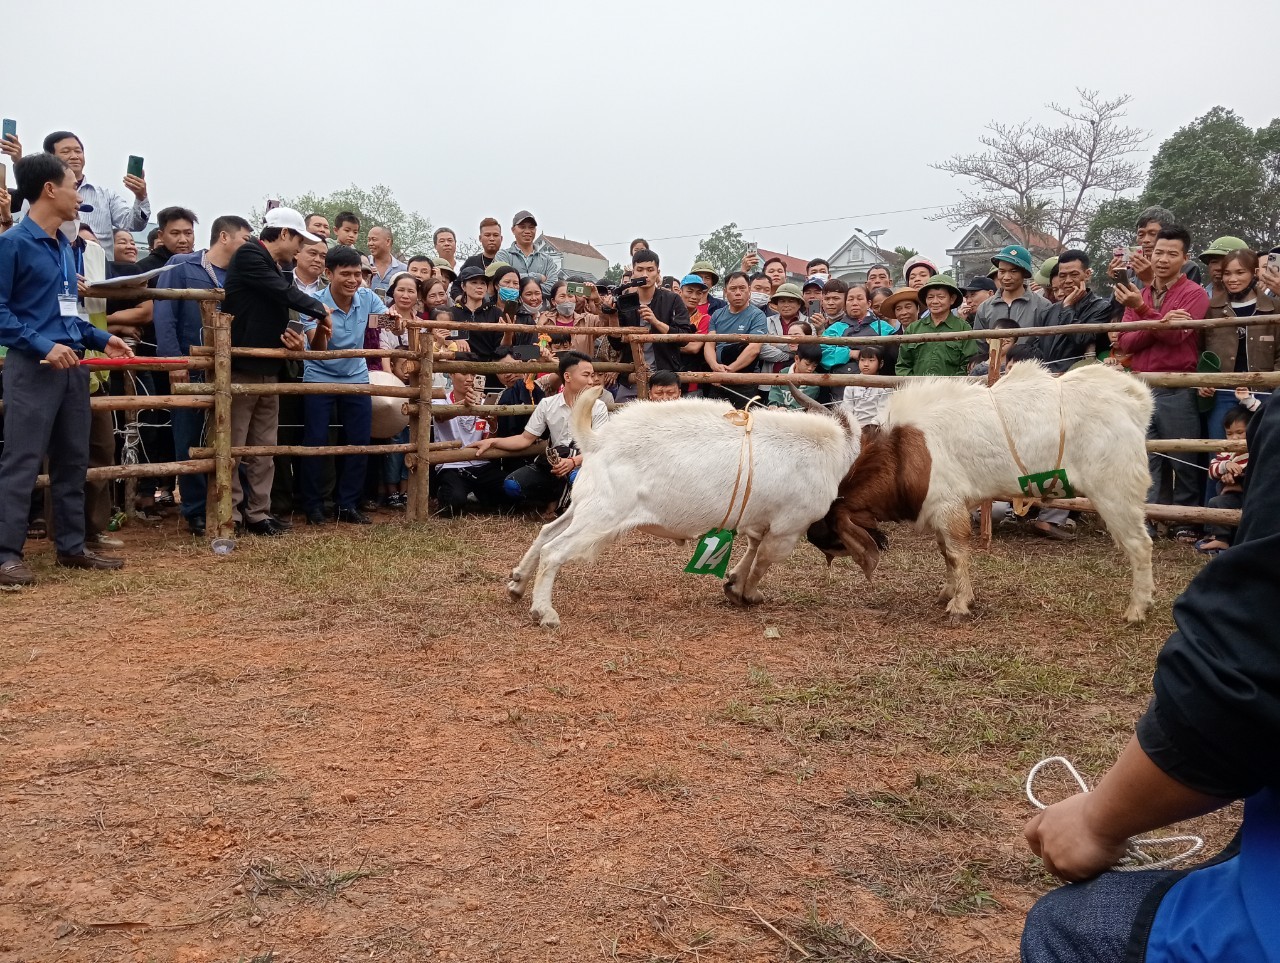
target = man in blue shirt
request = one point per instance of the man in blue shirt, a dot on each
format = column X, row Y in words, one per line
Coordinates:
column 739, row 316
column 352, row 306
column 46, row 405
column 178, row 327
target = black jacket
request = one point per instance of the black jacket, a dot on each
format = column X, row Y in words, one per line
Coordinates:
column 1214, row 721
column 485, row 344
column 259, row 297
column 1061, row 351
column 667, row 308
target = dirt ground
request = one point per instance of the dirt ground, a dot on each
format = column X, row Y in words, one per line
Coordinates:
column 347, row 744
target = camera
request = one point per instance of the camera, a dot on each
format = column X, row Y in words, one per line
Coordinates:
column 628, row 285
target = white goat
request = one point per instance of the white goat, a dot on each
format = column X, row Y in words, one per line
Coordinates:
column 668, row 469
column 943, row 449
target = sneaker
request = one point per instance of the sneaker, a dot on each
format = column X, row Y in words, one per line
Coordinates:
column 103, row 540
column 368, row 505
column 15, row 575
column 164, row 498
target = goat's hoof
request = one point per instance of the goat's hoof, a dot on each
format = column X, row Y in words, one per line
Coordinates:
column 515, row 589
column 946, row 594
column 731, row 592
column 958, row 616
column 550, row 619
column 1135, row 615
column 754, row 598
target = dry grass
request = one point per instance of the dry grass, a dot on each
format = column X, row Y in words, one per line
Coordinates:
column 347, row 743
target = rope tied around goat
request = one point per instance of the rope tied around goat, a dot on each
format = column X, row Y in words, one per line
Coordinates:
column 1048, row 484
column 745, row 420
column 1139, row 855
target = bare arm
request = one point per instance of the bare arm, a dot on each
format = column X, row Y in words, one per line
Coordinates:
column 1081, row 836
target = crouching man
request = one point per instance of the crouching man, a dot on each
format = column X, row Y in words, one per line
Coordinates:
column 546, row 481
column 456, row 480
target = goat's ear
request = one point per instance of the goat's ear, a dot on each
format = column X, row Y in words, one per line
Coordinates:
column 862, row 545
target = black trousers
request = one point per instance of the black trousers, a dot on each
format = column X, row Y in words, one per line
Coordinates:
column 535, row 483
column 737, row 395
column 46, row 413
column 453, row 485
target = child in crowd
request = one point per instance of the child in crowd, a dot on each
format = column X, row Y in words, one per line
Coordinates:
column 1002, row 358
column 1227, row 469
column 808, row 357
column 868, row 405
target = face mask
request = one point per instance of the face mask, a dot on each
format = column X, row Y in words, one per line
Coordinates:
column 565, row 309
column 759, row 298
column 821, row 277
column 508, row 294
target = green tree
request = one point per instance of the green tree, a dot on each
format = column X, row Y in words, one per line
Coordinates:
column 904, row 252
column 614, row 274
column 376, row 206
column 724, row 249
column 1219, row 176
column 1112, row 226
column 1049, row 178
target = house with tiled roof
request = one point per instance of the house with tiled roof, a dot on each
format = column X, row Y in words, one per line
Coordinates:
column 855, row 257
column 795, row 265
column 577, row 259
column 972, row 255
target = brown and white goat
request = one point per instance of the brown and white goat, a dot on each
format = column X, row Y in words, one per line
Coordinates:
column 942, row 450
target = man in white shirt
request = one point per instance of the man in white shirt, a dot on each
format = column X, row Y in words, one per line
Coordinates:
column 546, row 480
column 453, row 481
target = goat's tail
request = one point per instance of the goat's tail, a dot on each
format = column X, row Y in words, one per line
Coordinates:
column 583, row 433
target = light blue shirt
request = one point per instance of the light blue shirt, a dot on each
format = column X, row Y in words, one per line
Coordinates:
column 348, row 332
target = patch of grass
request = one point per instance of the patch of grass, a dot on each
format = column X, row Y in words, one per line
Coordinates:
column 308, row 883
column 834, row 942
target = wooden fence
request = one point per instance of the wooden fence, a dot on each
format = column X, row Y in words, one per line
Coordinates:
column 216, row 394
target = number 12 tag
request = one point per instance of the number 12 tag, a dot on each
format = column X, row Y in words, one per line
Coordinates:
column 711, row 554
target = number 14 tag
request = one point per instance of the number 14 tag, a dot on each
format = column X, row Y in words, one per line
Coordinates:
column 711, row 554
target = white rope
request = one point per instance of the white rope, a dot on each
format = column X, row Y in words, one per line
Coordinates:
column 1138, row 855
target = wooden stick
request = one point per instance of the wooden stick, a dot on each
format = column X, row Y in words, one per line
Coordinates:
column 304, row 451
column 198, row 466
column 218, row 512
column 611, row 331
column 496, row 410
column 470, row 454
column 138, row 402
column 420, row 471
column 519, row 367
column 1190, row 379
column 983, row 335
column 1198, row 444
column 286, row 354
column 143, row 293
column 1166, row 513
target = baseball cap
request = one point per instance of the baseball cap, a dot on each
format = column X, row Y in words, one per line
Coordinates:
column 288, row 218
column 523, row 216
column 470, row 273
column 979, row 282
column 692, row 279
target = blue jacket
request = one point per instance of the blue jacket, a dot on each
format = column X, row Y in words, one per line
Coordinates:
column 177, row 323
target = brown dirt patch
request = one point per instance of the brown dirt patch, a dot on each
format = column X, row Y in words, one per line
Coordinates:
column 349, row 745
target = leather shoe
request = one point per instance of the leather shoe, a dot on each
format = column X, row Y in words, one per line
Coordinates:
column 316, row 518
column 281, row 524
column 196, row 525
column 266, row 527
column 353, row 517
column 90, row 560
column 15, row 574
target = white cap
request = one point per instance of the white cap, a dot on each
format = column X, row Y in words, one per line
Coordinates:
column 288, row 217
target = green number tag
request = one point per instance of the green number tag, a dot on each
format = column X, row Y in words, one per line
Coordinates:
column 1047, row 484
column 711, row 554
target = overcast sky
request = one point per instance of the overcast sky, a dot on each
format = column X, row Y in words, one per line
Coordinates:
column 607, row 119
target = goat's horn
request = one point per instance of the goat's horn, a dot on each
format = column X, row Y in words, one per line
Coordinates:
column 805, row 401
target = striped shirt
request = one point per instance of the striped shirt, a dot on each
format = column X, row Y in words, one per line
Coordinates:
column 111, row 213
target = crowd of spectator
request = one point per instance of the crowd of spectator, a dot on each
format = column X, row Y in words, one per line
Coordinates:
column 298, row 281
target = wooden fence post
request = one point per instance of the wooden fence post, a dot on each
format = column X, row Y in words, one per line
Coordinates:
column 420, row 433
column 640, row 378
column 218, row 513
column 993, row 374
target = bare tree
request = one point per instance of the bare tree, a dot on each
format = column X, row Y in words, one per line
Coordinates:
column 1049, row 179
